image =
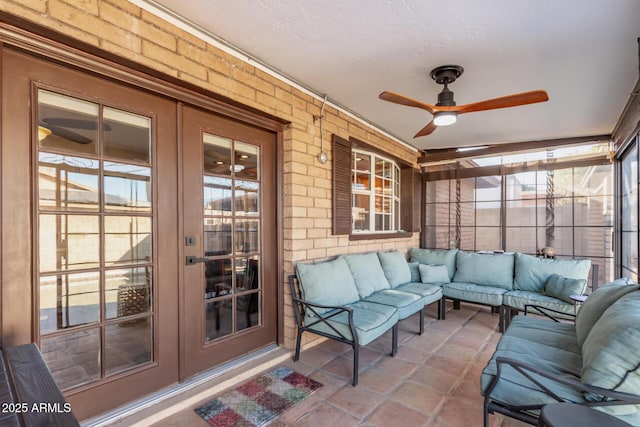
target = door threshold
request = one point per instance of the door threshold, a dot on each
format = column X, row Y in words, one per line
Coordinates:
column 158, row 406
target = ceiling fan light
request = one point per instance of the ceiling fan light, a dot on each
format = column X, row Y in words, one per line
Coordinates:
column 445, row 118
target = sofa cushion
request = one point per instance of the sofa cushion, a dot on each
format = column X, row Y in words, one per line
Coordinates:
column 543, row 331
column 415, row 272
column 482, row 294
column 563, row 287
column 436, row 257
column 395, row 267
column 367, row 273
column 485, row 269
column 518, row 299
column 433, row 273
column 611, row 352
column 405, row 302
column 327, row 283
column 431, row 293
column 596, row 304
column 531, row 273
column 370, row 319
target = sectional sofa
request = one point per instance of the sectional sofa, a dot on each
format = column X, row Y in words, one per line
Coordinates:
column 594, row 361
column 506, row 281
column 357, row 298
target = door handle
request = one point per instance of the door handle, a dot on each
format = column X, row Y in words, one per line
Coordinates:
column 190, row 260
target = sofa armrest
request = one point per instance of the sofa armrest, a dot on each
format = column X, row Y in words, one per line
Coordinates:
column 547, row 312
column 605, row 397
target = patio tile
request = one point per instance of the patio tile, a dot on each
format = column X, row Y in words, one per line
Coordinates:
column 458, row 413
column 450, row 366
column 380, row 380
column 326, row 415
column 397, row 366
column 358, row 401
column 392, row 413
column 468, row 391
column 410, row 354
column 316, row 357
column 420, row 398
column 437, row 380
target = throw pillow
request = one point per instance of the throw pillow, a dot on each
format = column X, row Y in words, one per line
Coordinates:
column 415, row 271
column 395, row 267
column 434, row 273
column 563, row 287
column 327, row 283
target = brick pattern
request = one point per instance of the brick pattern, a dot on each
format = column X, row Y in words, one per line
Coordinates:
column 122, row 28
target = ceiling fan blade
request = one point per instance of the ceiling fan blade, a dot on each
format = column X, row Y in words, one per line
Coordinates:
column 430, row 127
column 514, row 100
column 403, row 100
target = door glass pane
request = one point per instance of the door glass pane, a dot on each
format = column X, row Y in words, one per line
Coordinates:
column 67, row 183
column 127, row 291
column 67, row 124
column 217, row 196
column 247, row 161
column 217, row 154
column 68, row 300
column 219, row 319
column 247, row 236
column 218, row 239
column 68, row 242
column 218, row 276
column 248, row 310
column 127, row 187
column 127, row 136
column 128, row 344
column 246, row 197
column 127, row 240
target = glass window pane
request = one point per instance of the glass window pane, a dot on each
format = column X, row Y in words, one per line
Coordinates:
column 629, row 176
column 521, row 213
column 630, row 251
column 630, row 212
column 68, row 242
column 521, row 186
column 467, row 214
column 593, row 242
column 67, row 124
column 219, row 278
column 217, row 154
column 488, row 188
column 360, row 212
column 488, row 239
column 468, row 238
column 68, row 300
column 246, row 197
column 593, row 180
column 362, row 162
column 468, row 190
column 594, row 211
column 247, row 311
column 521, row 239
column 217, row 196
column 247, row 235
column 128, row 291
column 559, row 238
column 127, row 187
column 360, row 181
column 217, row 236
column 438, row 237
column 487, row 213
column 438, row 191
column 247, row 161
column 127, row 240
column 67, row 183
column 247, row 273
column 128, row 345
column 218, row 318
column 558, row 212
column 73, row 358
column 127, row 136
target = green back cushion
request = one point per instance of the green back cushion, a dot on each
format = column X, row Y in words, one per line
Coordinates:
column 436, row 257
column 433, row 273
column 563, row 287
column 532, row 272
column 600, row 300
column 367, row 273
column 485, row 269
column 415, row 272
column 327, row 283
column 611, row 352
column 395, row 268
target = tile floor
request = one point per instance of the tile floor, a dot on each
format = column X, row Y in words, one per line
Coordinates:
column 432, row 381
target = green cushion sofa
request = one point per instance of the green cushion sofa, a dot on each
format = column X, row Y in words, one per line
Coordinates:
column 357, row 298
column 594, row 361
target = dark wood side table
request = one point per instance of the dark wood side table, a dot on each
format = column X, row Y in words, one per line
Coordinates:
column 571, row 415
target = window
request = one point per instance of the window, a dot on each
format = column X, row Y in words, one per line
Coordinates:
column 629, row 212
column 375, row 193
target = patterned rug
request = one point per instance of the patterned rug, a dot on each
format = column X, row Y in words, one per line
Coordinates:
column 259, row 401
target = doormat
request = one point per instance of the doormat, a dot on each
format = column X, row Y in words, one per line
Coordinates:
column 259, row 401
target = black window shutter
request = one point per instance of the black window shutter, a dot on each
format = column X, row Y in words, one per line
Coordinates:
column 341, row 154
column 410, row 198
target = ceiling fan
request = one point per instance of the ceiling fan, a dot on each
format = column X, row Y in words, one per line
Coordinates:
column 445, row 112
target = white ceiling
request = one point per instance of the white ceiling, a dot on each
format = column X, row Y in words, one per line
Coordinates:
column 583, row 53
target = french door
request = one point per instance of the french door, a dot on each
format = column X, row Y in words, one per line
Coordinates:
column 228, row 197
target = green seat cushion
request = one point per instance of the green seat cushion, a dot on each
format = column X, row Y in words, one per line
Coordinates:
column 367, row 273
column 611, row 351
column 518, row 299
column 433, row 273
column 370, row 319
column 531, row 273
column 395, row 267
column 415, row 272
column 545, row 332
column 430, row 292
column 485, row 269
column 470, row 292
column 406, row 303
column 600, row 300
column 563, row 287
column 327, row 283
column 436, row 257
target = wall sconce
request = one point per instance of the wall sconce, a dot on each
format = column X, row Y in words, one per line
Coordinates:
column 322, row 157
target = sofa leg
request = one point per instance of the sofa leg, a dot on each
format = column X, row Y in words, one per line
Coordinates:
column 356, row 352
column 456, row 304
column 502, row 311
column 394, row 340
column 495, row 310
column 421, row 322
column 442, row 308
column 296, row 355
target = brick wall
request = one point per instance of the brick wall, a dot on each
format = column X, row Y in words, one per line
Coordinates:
column 122, row 28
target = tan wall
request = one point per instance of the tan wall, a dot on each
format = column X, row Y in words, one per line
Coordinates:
column 122, row 28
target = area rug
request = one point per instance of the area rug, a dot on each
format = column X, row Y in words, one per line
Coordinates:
column 259, row 401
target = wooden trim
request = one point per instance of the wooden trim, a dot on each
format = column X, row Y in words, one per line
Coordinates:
column 629, row 122
column 371, row 236
column 453, row 154
column 341, row 174
column 356, row 143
